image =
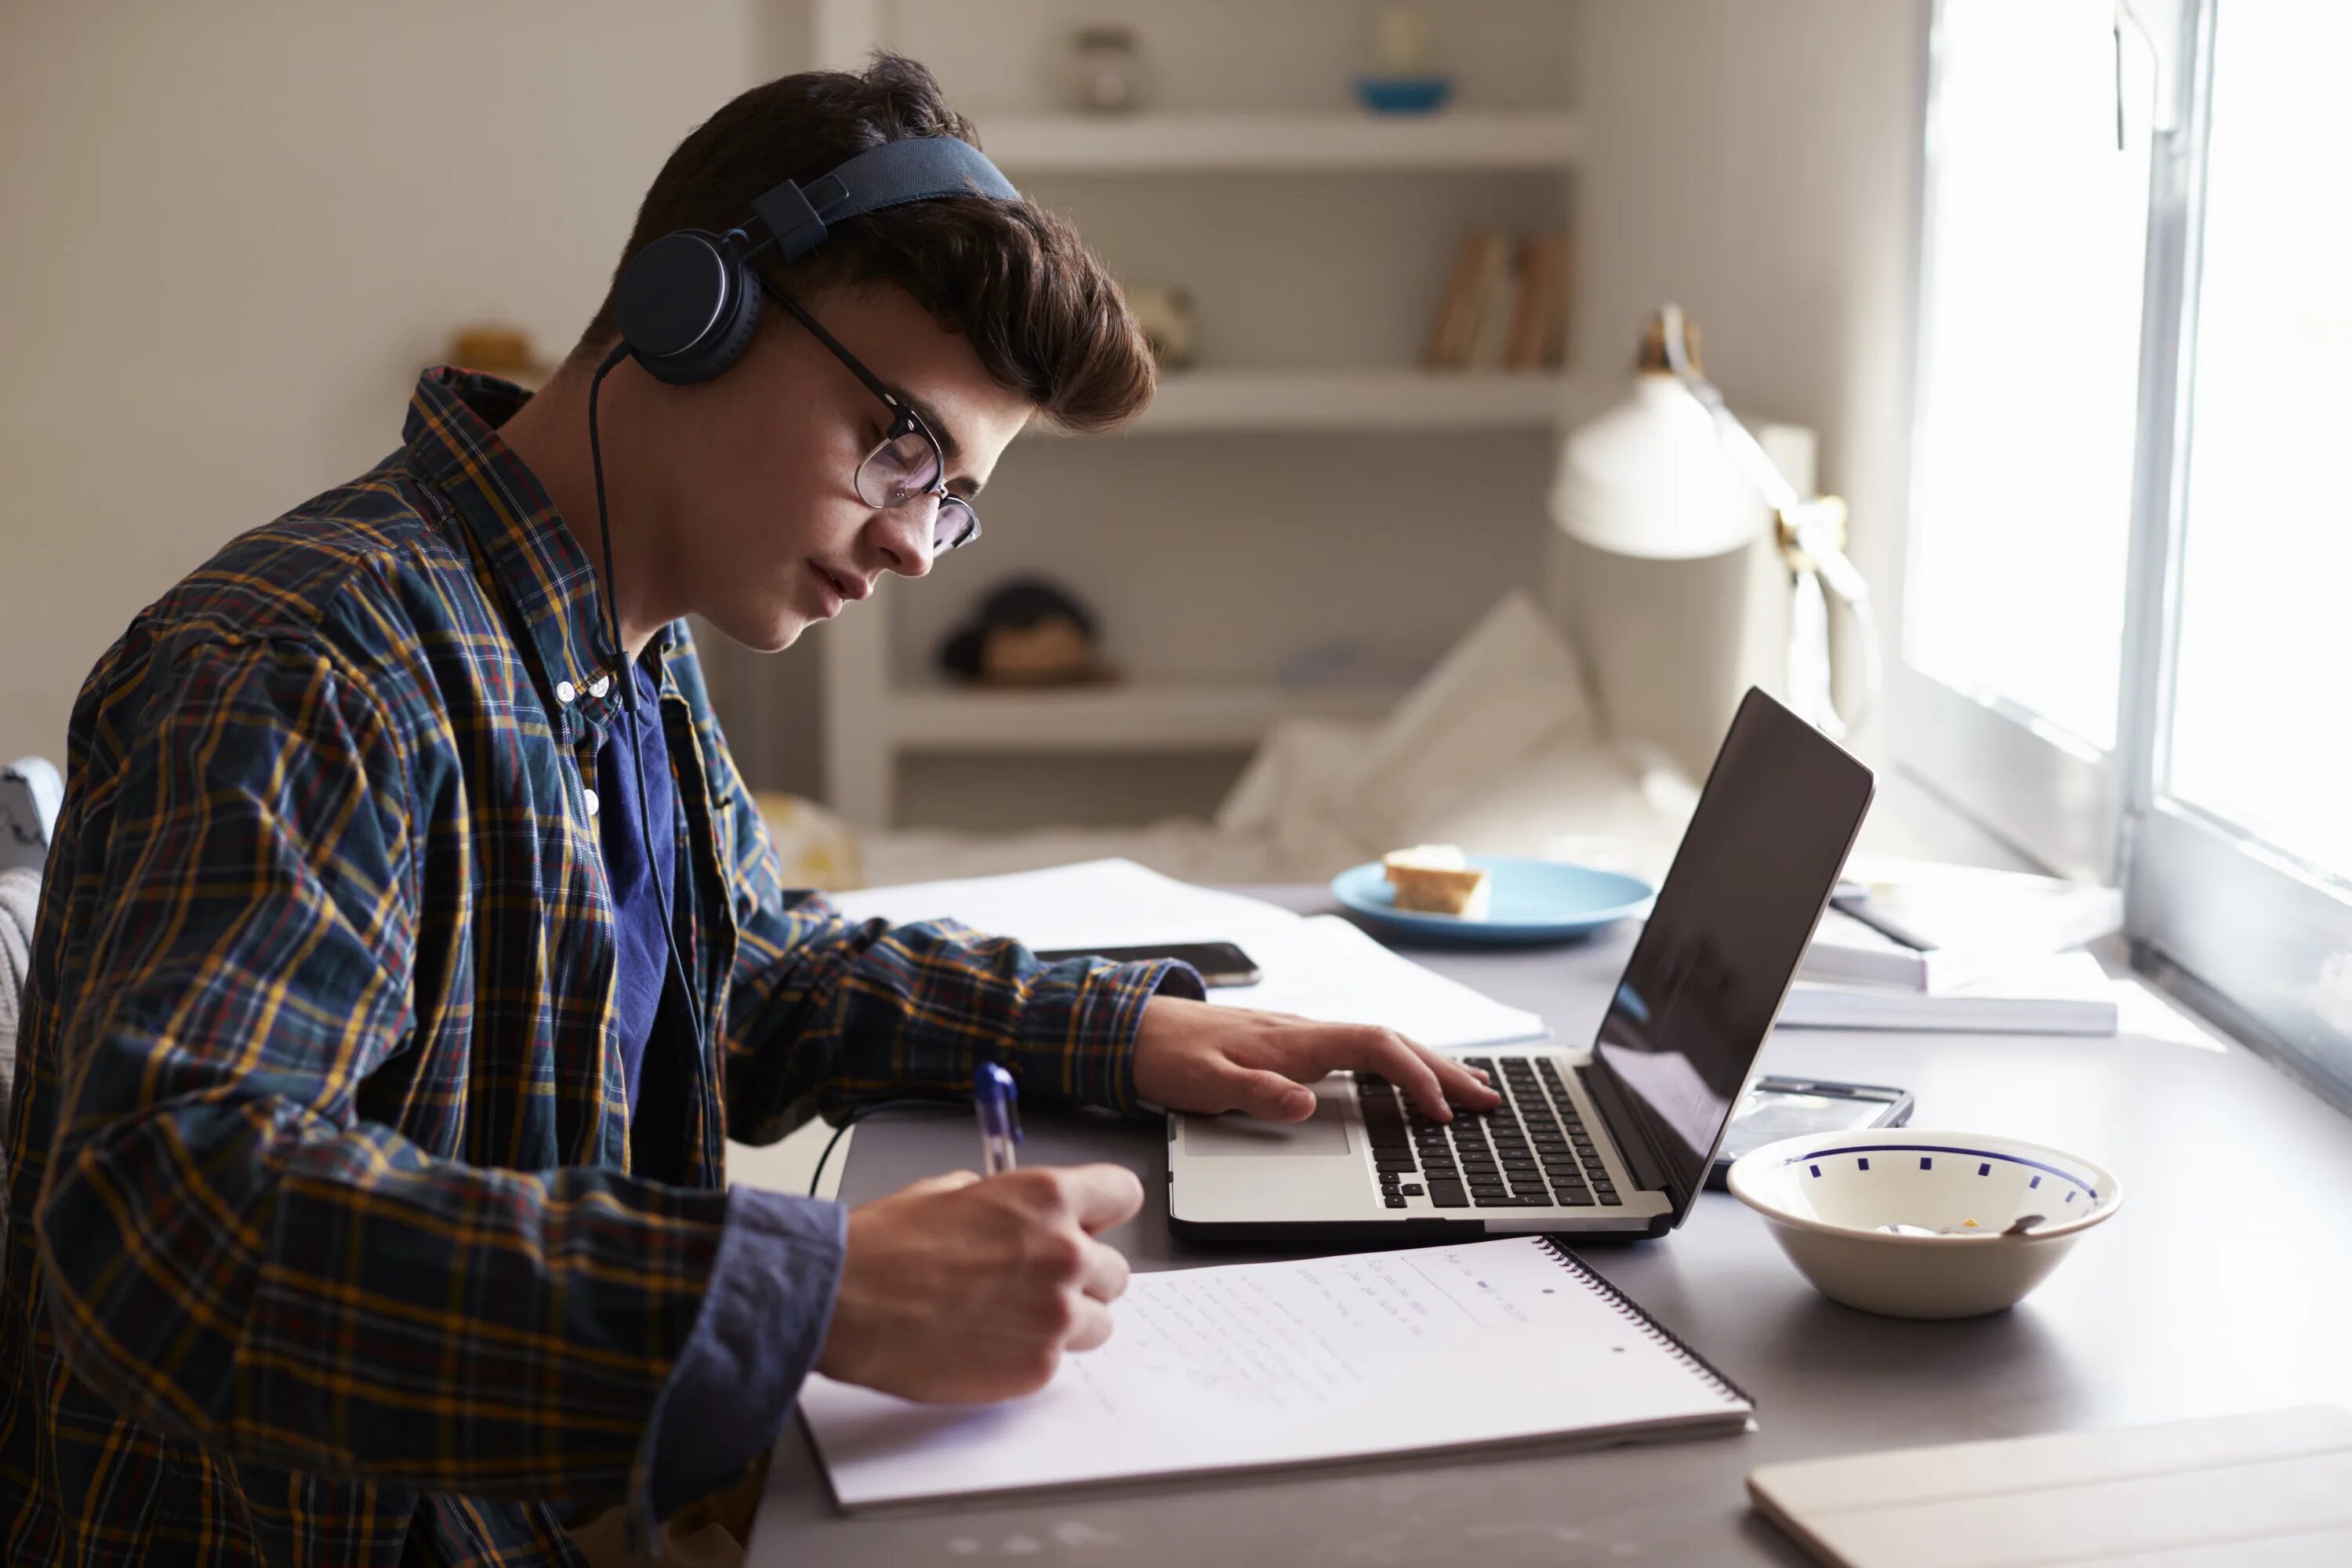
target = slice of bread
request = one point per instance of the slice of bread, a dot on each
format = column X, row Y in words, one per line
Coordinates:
column 1432, row 878
column 1424, row 858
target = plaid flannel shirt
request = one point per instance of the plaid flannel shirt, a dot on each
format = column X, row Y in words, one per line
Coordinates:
column 324, row 1246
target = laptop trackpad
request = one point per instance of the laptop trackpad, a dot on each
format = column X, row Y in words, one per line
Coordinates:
column 1212, row 1137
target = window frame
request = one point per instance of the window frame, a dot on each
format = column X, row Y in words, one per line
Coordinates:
column 2259, row 940
column 2055, row 798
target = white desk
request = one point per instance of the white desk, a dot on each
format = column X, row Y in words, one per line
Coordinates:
column 2206, row 1294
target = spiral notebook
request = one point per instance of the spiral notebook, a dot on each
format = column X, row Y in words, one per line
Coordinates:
column 1253, row 1365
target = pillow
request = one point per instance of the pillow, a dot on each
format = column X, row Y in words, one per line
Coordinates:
column 20, row 901
column 1507, row 692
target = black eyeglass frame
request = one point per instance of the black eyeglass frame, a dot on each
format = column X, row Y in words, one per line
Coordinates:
column 904, row 421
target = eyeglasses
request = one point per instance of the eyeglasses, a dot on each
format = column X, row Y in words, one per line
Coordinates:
column 907, row 464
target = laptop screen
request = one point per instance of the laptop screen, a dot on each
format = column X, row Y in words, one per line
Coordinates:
column 1757, row 864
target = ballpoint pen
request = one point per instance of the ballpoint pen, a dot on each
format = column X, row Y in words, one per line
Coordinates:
column 996, row 1101
column 1853, row 899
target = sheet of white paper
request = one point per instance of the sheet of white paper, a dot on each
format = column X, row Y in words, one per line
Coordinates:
column 1321, row 968
column 1327, row 969
column 1095, row 903
column 1272, row 1363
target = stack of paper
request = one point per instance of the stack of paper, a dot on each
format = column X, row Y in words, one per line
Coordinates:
column 1960, row 949
column 2063, row 994
column 1967, row 922
column 1321, row 968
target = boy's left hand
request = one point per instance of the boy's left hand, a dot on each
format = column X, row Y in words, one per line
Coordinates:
column 1189, row 1056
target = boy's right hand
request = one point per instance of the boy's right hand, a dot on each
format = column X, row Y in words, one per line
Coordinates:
column 962, row 1291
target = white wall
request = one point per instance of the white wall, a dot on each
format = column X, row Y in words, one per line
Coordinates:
column 1756, row 161
column 231, row 232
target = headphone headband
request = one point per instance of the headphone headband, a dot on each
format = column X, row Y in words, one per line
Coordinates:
column 918, row 169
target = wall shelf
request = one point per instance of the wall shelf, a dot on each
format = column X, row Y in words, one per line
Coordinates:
column 1150, row 717
column 1144, row 144
column 1394, row 400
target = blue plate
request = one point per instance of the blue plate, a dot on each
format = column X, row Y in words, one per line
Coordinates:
column 1532, row 901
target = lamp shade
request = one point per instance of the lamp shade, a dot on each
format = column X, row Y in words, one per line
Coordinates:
column 1649, row 478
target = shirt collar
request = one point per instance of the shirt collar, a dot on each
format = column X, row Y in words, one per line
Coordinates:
column 545, row 577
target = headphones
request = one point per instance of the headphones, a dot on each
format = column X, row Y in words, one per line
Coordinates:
column 688, row 303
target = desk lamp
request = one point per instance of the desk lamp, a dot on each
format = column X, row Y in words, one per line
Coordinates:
column 1671, row 474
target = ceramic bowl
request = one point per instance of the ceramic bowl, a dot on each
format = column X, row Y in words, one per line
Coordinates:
column 1403, row 94
column 1826, row 1195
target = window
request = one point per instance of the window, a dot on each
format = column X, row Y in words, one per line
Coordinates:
column 2030, row 355
column 2262, row 721
column 2037, row 180
column 2129, row 639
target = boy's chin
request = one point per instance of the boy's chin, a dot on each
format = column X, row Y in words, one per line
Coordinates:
column 764, row 632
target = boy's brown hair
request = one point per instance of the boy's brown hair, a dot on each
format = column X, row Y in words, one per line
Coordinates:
column 1044, row 316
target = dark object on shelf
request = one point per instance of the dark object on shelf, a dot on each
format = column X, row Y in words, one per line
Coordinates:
column 1107, row 70
column 1027, row 632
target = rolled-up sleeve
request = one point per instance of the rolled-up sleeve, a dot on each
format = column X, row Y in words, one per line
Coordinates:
column 762, row 1325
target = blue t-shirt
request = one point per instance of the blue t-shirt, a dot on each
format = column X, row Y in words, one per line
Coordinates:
column 640, row 890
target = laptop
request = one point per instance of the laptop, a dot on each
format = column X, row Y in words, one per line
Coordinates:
column 1616, row 1138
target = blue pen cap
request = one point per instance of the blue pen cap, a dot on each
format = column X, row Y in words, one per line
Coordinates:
column 998, row 1096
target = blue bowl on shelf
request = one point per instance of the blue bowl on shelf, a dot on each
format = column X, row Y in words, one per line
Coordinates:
column 1403, row 94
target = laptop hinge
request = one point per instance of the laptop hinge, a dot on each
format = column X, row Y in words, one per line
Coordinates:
column 1626, row 1130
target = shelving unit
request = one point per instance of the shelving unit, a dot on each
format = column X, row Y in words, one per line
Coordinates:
column 1129, row 173
column 1165, row 143
column 1391, row 400
column 1119, row 717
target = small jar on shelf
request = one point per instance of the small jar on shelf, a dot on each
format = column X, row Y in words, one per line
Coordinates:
column 1108, row 74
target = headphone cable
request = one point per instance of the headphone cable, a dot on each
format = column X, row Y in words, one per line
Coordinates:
column 895, row 1102
column 629, row 702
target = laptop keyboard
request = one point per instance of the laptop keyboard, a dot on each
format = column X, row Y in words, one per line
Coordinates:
column 1531, row 1152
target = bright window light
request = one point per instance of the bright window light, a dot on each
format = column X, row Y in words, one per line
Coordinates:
column 2262, row 729
column 2030, row 359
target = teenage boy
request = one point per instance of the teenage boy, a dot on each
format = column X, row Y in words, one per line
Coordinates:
column 366, row 1183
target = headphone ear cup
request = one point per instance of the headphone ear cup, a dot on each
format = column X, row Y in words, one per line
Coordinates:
column 686, row 306
column 745, row 299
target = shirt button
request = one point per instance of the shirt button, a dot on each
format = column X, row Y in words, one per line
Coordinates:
column 601, row 685
column 565, row 691
column 588, row 798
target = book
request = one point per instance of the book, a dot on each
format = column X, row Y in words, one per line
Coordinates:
column 1970, row 918
column 1552, row 349
column 1445, row 327
column 1481, row 266
column 1497, row 311
column 1536, row 339
column 2262, row 1491
column 2051, row 993
column 1254, row 1365
column 1844, row 951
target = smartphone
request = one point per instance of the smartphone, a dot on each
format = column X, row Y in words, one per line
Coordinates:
column 1220, row 963
column 1777, row 1108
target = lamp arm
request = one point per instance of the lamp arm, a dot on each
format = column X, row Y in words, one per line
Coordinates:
column 1822, row 554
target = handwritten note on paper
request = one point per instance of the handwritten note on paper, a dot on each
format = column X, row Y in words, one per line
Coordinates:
column 1287, row 1363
